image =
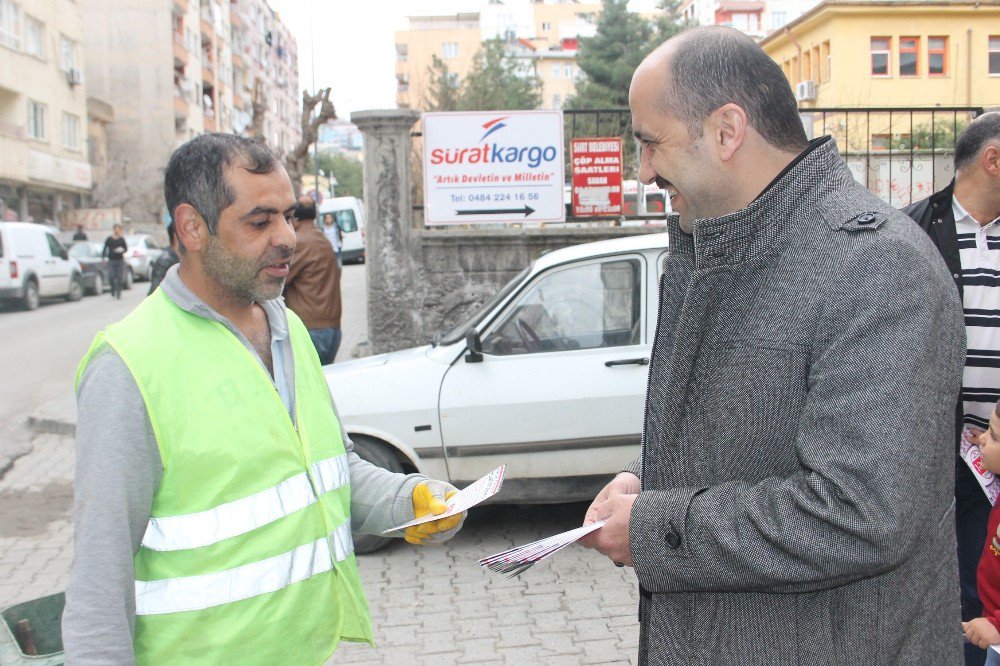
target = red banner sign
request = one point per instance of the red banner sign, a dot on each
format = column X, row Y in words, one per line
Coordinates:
column 597, row 177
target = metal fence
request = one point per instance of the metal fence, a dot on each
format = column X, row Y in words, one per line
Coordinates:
column 901, row 154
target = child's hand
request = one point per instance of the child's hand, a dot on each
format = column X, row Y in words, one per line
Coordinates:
column 981, row 632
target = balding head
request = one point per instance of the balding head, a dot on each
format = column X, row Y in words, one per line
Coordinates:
column 703, row 69
column 980, row 134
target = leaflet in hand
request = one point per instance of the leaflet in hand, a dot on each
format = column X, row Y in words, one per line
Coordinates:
column 517, row 560
column 481, row 490
column 973, row 457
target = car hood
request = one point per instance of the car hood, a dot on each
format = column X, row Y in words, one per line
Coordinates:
column 400, row 382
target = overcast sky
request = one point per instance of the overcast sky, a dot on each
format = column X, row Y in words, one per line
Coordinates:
column 354, row 46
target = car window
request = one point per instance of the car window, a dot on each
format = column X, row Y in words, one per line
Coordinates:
column 80, row 250
column 55, row 247
column 151, row 244
column 598, row 304
column 345, row 220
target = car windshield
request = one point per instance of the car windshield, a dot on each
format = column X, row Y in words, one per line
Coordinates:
column 79, row 250
column 458, row 333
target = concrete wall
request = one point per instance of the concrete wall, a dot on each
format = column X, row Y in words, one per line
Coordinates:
column 422, row 282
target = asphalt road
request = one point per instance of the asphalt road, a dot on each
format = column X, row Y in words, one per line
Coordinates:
column 40, row 350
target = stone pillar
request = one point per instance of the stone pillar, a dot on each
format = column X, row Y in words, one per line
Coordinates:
column 391, row 242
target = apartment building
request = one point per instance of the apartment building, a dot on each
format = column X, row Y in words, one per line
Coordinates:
column 542, row 34
column 872, row 54
column 43, row 110
column 174, row 69
column 755, row 18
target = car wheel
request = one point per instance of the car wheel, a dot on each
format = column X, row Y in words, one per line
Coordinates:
column 75, row 292
column 380, row 455
column 129, row 278
column 98, row 285
column 30, row 299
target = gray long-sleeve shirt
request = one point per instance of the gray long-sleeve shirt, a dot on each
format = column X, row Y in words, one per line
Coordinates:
column 118, row 469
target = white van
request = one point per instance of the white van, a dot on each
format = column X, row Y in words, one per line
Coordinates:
column 34, row 264
column 350, row 216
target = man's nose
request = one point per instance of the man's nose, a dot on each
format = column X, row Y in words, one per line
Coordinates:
column 646, row 173
column 285, row 236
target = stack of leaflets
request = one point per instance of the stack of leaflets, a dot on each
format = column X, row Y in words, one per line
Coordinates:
column 516, row 561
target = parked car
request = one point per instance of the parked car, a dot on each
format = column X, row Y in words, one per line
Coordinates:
column 350, row 216
column 34, row 264
column 95, row 270
column 548, row 377
column 142, row 252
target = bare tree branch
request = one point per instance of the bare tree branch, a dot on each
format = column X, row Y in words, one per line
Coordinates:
column 295, row 161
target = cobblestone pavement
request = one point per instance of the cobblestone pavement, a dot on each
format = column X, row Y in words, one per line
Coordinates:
column 430, row 605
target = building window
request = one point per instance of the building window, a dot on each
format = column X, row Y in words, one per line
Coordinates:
column 34, row 37
column 778, row 20
column 546, row 26
column 826, row 62
column 880, row 56
column 37, row 120
column 449, row 50
column 937, row 56
column 994, row 52
column 745, row 21
column 557, row 101
column 814, row 60
column 556, row 69
column 569, row 71
column 67, row 53
column 10, row 24
column 71, row 131
column 909, row 47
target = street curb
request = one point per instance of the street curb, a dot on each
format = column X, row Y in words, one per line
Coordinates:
column 43, row 424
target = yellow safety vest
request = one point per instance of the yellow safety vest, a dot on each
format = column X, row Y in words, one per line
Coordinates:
column 247, row 558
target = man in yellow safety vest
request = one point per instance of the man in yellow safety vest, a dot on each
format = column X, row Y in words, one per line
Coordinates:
column 216, row 492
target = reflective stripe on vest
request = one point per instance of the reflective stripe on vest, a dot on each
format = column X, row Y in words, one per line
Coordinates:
column 174, row 595
column 195, row 530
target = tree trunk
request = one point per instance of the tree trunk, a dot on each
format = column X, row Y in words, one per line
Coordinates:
column 295, row 161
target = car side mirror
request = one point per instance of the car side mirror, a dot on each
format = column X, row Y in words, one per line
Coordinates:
column 474, row 345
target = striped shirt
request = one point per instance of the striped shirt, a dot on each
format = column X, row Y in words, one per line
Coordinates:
column 979, row 250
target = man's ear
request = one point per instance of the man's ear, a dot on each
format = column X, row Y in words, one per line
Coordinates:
column 191, row 228
column 991, row 160
column 729, row 130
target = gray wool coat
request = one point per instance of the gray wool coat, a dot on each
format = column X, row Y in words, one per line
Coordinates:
column 798, row 460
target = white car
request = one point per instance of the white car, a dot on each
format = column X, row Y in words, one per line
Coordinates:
column 548, row 377
column 35, row 265
column 142, row 252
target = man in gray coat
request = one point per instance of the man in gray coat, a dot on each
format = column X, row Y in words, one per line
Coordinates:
column 796, row 502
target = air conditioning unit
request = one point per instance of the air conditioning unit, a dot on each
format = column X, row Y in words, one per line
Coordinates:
column 805, row 91
column 74, row 77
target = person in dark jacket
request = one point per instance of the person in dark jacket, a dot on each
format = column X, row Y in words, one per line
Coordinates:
column 163, row 262
column 962, row 221
column 114, row 251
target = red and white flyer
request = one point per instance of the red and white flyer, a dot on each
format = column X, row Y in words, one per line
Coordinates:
column 973, row 457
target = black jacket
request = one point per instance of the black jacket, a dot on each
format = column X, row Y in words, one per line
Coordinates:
column 935, row 217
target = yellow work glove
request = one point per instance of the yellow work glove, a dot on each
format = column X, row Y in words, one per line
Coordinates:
column 430, row 497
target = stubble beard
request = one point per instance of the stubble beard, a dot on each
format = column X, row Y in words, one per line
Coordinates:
column 240, row 280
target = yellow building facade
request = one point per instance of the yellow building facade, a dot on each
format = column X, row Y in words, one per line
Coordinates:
column 872, row 54
column 543, row 35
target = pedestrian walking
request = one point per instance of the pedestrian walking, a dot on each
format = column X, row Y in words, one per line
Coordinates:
column 312, row 290
column 793, row 503
column 114, row 251
column 333, row 234
column 79, row 234
column 963, row 222
column 216, row 491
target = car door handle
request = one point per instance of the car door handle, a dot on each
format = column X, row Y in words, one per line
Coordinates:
column 627, row 361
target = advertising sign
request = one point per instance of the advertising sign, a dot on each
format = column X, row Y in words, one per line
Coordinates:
column 493, row 166
column 597, row 176
column 91, row 219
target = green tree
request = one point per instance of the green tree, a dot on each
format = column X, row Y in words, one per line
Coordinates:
column 347, row 170
column 444, row 91
column 499, row 81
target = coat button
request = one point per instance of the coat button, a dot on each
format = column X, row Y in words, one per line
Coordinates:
column 673, row 538
column 867, row 218
column 955, row 275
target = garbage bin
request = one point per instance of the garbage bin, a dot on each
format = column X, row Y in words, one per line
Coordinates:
column 37, row 622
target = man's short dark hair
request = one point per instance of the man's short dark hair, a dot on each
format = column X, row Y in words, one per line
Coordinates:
column 714, row 66
column 195, row 174
column 974, row 138
column 305, row 209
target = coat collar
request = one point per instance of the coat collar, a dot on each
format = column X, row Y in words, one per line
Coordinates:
column 746, row 233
